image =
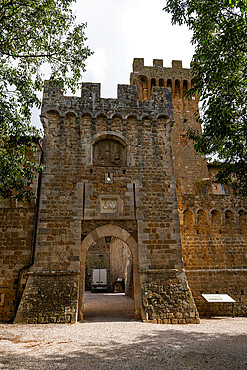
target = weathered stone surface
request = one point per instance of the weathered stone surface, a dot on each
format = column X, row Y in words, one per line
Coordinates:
column 124, row 168
column 212, row 220
column 167, row 298
column 107, row 159
column 50, row 297
column 16, row 232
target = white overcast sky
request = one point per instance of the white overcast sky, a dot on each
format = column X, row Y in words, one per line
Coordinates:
column 120, row 30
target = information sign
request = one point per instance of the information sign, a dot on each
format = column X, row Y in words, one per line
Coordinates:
column 218, row 298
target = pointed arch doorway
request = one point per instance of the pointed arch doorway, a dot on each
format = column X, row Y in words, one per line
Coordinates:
column 110, row 230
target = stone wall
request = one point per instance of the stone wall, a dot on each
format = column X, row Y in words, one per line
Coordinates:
column 214, row 240
column 16, row 232
column 225, row 281
column 49, row 298
column 163, row 294
column 212, row 220
column 110, row 166
column 107, row 160
column 119, row 260
column 188, row 165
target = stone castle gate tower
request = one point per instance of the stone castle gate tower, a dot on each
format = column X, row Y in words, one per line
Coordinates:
column 109, row 172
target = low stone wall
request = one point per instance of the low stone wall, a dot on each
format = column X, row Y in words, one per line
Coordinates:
column 233, row 283
column 167, row 299
column 49, row 297
column 214, row 242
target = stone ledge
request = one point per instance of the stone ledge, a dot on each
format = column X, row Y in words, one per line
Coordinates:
column 216, row 270
column 157, row 271
column 173, row 321
column 34, row 273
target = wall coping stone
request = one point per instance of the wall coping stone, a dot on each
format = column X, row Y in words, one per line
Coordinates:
column 159, row 271
column 33, row 273
column 215, row 270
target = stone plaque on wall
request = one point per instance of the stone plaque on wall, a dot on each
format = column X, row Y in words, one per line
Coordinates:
column 109, row 152
column 108, row 205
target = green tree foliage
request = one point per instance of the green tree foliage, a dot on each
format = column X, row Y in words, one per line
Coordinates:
column 32, row 34
column 220, row 78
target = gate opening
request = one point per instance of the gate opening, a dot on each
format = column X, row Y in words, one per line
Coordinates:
column 109, row 287
column 112, row 235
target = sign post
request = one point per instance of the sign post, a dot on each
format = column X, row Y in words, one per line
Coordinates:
column 219, row 298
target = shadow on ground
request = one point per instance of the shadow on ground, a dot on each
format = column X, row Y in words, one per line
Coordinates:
column 171, row 349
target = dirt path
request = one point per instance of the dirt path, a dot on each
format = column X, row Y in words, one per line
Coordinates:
column 108, row 306
column 104, row 341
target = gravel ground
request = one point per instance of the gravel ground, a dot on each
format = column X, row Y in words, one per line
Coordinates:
column 117, row 341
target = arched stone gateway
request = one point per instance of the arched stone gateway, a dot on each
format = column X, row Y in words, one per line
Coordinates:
column 160, row 295
column 108, row 176
column 117, row 232
column 110, row 168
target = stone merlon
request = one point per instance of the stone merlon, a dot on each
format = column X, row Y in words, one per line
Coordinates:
column 126, row 103
column 157, row 70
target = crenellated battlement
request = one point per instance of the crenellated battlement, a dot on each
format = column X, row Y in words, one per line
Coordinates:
column 176, row 78
column 125, row 104
column 126, row 92
column 138, row 66
column 52, row 91
column 90, row 90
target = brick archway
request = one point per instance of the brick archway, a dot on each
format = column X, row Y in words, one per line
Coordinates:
column 120, row 233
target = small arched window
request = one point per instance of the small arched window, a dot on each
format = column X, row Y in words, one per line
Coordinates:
column 161, row 82
column 177, row 87
column 202, row 217
column 216, row 217
column 185, row 85
column 153, row 82
column 188, row 218
column 229, row 217
column 169, row 83
column 143, row 81
column 109, row 152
